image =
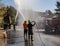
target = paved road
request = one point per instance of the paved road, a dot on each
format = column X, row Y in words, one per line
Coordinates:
column 40, row 39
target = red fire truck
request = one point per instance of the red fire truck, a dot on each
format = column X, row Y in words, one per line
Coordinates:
column 52, row 25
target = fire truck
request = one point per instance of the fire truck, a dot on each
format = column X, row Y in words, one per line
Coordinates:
column 52, row 25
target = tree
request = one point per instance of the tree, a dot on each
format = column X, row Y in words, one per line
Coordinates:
column 58, row 9
column 49, row 12
column 11, row 12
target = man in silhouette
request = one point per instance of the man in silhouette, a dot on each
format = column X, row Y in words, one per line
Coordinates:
column 6, row 21
column 30, row 29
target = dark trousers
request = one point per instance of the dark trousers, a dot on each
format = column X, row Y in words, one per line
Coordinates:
column 30, row 34
column 25, row 33
column 5, row 26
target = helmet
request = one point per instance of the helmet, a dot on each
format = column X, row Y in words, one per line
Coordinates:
column 30, row 20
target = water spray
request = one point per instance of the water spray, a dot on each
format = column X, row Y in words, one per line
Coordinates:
column 22, row 15
column 19, row 11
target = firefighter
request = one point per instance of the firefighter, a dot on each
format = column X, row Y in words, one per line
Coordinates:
column 30, row 31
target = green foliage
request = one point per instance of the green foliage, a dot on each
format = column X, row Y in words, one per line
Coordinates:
column 11, row 11
column 58, row 5
column 58, row 9
column 49, row 12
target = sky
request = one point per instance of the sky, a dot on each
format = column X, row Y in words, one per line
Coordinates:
column 9, row 2
column 36, row 5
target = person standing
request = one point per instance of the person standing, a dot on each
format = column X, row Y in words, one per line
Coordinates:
column 30, row 30
column 25, row 25
column 6, row 21
column 14, row 27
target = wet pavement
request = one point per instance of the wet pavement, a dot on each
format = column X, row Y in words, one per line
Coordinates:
column 16, row 38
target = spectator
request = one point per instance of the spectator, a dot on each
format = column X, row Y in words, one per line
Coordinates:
column 25, row 25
